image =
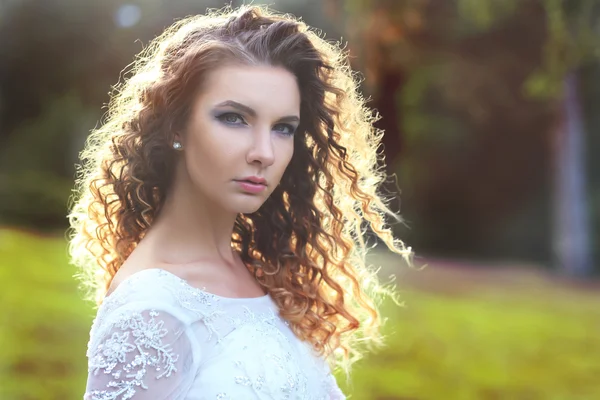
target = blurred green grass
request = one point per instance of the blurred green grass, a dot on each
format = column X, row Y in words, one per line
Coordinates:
column 462, row 335
column 44, row 326
column 476, row 333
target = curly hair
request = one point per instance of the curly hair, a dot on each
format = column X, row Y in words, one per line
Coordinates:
column 306, row 244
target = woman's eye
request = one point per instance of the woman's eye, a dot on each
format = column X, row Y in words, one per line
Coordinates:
column 285, row 129
column 236, row 119
column 231, row 118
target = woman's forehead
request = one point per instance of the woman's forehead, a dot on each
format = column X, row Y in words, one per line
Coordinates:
column 257, row 87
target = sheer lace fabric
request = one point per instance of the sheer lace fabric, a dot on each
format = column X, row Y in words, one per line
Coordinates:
column 156, row 337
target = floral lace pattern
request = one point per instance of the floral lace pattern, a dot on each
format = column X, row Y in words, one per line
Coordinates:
column 232, row 348
column 276, row 354
column 132, row 349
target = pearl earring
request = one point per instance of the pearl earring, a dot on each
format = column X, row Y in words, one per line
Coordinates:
column 177, row 145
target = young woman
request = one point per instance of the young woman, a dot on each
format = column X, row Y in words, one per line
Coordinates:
column 219, row 217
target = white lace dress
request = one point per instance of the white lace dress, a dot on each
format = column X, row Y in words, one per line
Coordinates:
column 156, row 337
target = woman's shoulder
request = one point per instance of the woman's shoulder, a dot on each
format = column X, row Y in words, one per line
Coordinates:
column 155, row 288
column 149, row 285
column 144, row 295
column 161, row 290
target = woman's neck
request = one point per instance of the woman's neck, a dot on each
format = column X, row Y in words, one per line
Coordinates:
column 189, row 228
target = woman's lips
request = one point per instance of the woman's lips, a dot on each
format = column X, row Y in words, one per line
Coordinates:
column 251, row 187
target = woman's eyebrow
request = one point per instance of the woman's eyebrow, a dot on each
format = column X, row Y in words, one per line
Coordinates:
column 289, row 118
column 244, row 108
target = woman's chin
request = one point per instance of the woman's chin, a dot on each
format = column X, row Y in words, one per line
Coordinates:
column 248, row 205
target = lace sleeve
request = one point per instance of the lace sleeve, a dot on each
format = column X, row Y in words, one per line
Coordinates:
column 141, row 353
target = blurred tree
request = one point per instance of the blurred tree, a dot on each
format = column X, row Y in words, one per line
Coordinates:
column 572, row 43
column 571, row 216
column 589, row 87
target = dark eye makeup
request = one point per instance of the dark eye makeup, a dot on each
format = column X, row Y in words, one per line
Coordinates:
column 234, row 119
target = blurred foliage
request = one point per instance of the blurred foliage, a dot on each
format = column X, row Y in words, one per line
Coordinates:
column 475, row 111
column 36, row 164
column 461, row 339
column 572, row 42
column 570, row 30
column 472, row 98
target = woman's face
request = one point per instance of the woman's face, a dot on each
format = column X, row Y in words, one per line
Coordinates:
column 241, row 128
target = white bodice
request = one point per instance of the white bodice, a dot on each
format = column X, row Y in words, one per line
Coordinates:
column 156, row 337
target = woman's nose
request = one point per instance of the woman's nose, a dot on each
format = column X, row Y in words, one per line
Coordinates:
column 261, row 150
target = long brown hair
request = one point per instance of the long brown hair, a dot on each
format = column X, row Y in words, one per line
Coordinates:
column 306, row 244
